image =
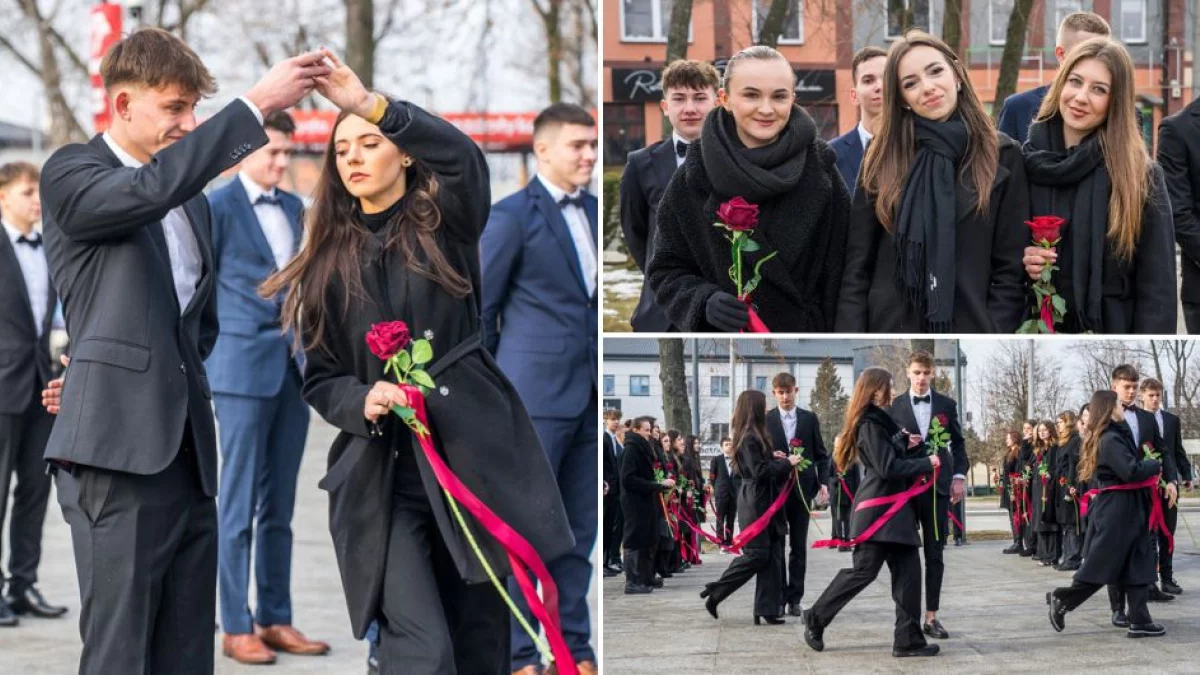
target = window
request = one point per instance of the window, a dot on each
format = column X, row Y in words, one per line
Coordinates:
column 1133, row 20
column 717, row 431
column 624, row 131
column 639, row 385
column 1061, row 9
column 826, row 117
column 688, row 384
column 646, row 20
column 612, row 404
column 718, row 385
column 610, row 385
column 793, row 23
column 760, row 382
column 999, row 12
column 905, row 14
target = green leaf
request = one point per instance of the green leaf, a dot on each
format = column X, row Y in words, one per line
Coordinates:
column 1029, row 326
column 1060, row 304
column 422, row 378
column 718, row 224
column 750, row 246
column 422, row 351
column 403, row 362
column 1045, row 276
column 749, row 286
column 403, row 411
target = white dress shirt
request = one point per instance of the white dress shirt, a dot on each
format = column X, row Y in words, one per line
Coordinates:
column 788, row 419
column 1158, row 417
column 272, row 219
column 1132, row 420
column 675, row 139
column 923, row 412
column 34, row 270
column 728, row 465
column 581, row 233
column 182, row 246
column 864, row 136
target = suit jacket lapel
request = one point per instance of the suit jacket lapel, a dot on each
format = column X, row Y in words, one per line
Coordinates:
column 8, row 260
column 664, row 163
column 904, row 409
column 295, row 216
column 246, row 215
column 544, row 203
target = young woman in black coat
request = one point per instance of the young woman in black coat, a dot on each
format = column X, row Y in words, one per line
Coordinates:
column 640, row 493
column 760, row 146
column 1009, row 484
column 843, row 485
column 1087, row 163
column 1071, row 490
column 1119, row 547
column 764, row 473
column 1027, row 468
column 1044, row 493
column 936, row 228
column 400, row 241
column 891, row 459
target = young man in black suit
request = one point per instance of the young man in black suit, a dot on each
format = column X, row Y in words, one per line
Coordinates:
column 639, row 502
column 722, row 488
column 866, row 70
column 613, row 522
column 1170, row 431
column 1179, row 155
column 915, row 410
column 786, row 422
column 689, row 92
column 26, row 311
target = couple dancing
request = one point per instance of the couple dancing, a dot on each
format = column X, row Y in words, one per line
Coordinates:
column 392, row 236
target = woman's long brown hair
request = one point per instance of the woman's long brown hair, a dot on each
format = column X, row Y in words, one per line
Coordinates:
column 750, row 419
column 334, row 240
column 870, row 382
column 1125, row 155
column 1100, row 411
column 1067, row 417
column 1014, row 449
column 890, row 156
column 1040, row 445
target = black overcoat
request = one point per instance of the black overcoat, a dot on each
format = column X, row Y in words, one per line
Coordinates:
column 762, row 479
column 889, row 467
column 639, row 494
column 1068, row 467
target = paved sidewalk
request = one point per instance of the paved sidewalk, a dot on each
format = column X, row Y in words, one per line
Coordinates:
column 51, row 647
column 993, row 605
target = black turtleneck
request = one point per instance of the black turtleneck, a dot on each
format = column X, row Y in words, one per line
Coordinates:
column 376, row 222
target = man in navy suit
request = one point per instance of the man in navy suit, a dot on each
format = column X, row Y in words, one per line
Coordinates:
column 538, row 254
column 256, row 388
column 867, row 72
column 1019, row 110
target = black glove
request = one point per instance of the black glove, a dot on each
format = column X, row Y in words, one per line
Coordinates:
column 726, row 313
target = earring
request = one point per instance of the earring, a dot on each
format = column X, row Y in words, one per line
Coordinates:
column 407, row 161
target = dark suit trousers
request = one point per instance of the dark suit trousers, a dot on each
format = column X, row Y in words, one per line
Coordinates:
column 570, row 444
column 1072, row 545
column 262, row 443
column 146, row 557
column 726, row 516
column 765, row 562
column 797, row 517
column 431, row 622
column 1191, row 317
column 904, row 564
column 614, row 527
column 22, row 444
column 1079, row 591
column 933, row 546
column 1166, row 568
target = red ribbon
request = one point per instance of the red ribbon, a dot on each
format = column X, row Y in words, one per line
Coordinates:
column 749, row 533
column 846, row 489
column 1016, row 501
column 962, row 530
column 1048, row 314
column 897, row 502
column 755, row 324
column 695, row 528
column 520, row 552
column 1157, row 519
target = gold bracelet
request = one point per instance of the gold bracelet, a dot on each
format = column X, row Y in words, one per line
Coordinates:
column 378, row 109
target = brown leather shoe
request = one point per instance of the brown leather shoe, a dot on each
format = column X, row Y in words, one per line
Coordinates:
column 291, row 641
column 247, row 648
column 583, row 667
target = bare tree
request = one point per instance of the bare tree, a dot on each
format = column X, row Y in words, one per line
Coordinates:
column 550, row 13
column 676, row 409
column 772, row 25
column 952, row 26
column 1006, row 386
column 1101, row 356
column 1014, row 51
column 677, row 42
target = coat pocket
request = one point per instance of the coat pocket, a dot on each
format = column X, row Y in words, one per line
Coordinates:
column 94, row 488
column 112, row 352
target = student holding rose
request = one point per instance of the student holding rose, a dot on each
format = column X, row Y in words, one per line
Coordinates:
column 1071, row 489
column 1045, row 493
column 1011, row 488
column 761, row 153
column 1087, row 164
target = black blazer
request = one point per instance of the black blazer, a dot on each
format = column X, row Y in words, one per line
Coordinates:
column 990, row 279
column 808, row 430
column 954, row 459
column 137, row 369
column 647, row 173
column 1173, row 445
column 25, row 363
column 762, row 479
column 1148, row 434
column 889, row 467
column 612, row 473
column 725, row 486
column 849, row 149
column 1179, row 156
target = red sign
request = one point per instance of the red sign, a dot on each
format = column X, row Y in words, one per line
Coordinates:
column 105, row 31
column 493, row 131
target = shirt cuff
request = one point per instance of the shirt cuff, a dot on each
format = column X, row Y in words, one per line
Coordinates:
column 959, row 475
column 253, row 108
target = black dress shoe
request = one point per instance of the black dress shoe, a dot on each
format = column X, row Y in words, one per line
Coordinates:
column 1158, row 596
column 1058, row 614
column 958, row 542
column 1015, row 548
column 1025, row 553
column 610, row 573
column 1069, row 567
column 794, row 608
column 657, row 582
column 771, row 620
column 1119, row 620
column 813, row 636
column 637, row 589
column 845, row 549
column 935, row 629
column 7, row 618
column 1141, row 630
column 927, row 650
column 711, row 605
column 612, row 569
column 1169, row 586
column 30, row 601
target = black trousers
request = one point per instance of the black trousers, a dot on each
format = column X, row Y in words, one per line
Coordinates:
column 146, row 557
column 933, row 544
column 959, row 512
column 614, row 528
column 1191, row 317
column 765, row 564
column 639, row 566
column 904, row 564
column 1072, row 545
column 431, row 621
column 1029, row 535
column 841, row 518
column 726, row 516
column 1049, row 545
column 22, row 444
column 1016, row 527
column 1166, row 568
column 1079, row 591
column 797, row 561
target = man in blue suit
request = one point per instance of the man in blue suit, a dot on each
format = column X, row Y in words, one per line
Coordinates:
column 1019, row 109
column 866, row 70
column 539, row 313
column 263, row 422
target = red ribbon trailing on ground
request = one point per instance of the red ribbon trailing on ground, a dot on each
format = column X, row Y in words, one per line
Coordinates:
column 520, row 552
column 897, row 502
column 708, row 537
column 1157, row 519
column 755, row 324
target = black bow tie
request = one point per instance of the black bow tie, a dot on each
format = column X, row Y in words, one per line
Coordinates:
column 681, row 148
column 267, row 199
column 1129, row 406
column 921, row 399
column 568, row 200
column 31, row 242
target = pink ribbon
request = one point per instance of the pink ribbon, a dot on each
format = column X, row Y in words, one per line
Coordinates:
column 520, row 552
column 897, row 502
column 708, row 537
column 1048, row 314
column 755, row 324
column 1157, row 521
column 846, row 489
column 957, row 522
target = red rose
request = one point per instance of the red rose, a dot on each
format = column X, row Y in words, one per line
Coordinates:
column 1046, row 229
column 657, row 466
column 796, row 443
column 942, row 419
column 738, row 214
column 1062, row 481
column 386, row 338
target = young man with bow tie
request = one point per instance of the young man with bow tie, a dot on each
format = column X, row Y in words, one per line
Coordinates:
column 915, row 410
column 613, row 522
column 689, row 91
column 27, row 303
column 1169, row 430
column 786, row 422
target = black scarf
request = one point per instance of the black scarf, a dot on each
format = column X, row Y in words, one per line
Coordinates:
column 755, row 174
column 924, row 227
column 1051, row 167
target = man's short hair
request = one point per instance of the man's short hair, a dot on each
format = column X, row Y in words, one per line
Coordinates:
column 152, row 57
column 921, row 357
column 644, row 419
column 863, row 55
column 783, row 381
column 612, row 414
column 726, row 439
column 1126, row 373
column 558, row 114
column 1151, row 384
column 280, row 121
column 1083, row 22
column 15, row 171
column 690, row 74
